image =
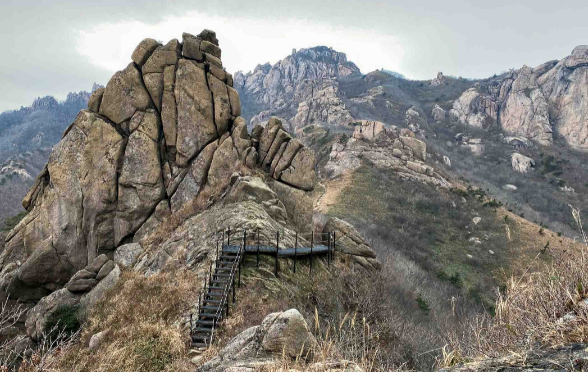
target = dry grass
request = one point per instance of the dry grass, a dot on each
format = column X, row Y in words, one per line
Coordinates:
column 545, row 308
column 140, row 317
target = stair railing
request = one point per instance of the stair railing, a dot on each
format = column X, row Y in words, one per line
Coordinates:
column 230, row 283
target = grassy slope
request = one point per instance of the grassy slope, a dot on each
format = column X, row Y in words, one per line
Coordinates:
column 433, row 227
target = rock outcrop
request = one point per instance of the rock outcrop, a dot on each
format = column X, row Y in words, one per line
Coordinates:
column 573, row 357
column 350, row 242
column 386, row 147
column 522, row 163
column 279, row 335
column 303, row 84
column 164, row 130
column 439, row 80
column 533, row 102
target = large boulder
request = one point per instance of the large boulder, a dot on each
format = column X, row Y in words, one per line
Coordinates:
column 37, row 317
column 522, row 163
column 349, row 241
column 124, row 95
column 301, row 173
column 280, row 334
column 368, row 130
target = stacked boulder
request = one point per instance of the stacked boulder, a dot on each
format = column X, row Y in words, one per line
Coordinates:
column 164, row 130
column 84, row 289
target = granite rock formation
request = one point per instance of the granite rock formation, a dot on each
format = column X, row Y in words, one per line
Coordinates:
column 533, row 102
column 162, row 131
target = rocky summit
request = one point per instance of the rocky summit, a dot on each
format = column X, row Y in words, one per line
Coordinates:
column 164, row 130
column 533, row 102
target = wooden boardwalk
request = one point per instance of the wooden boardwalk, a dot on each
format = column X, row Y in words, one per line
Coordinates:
column 286, row 252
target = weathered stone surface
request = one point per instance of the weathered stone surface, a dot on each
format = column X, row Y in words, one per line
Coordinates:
column 254, row 189
column 37, row 317
column 208, row 47
column 124, row 95
column 298, row 203
column 126, row 255
column 83, row 274
column 572, row 356
column 222, row 107
column 81, row 285
column 96, row 340
column 169, row 115
column 97, row 264
column 95, row 100
column 521, row 163
column 195, row 179
column 367, row 130
column 267, row 136
column 281, row 137
column 224, row 163
column 209, row 36
column 438, row 113
column 89, row 299
column 162, row 212
column 240, row 136
column 439, row 80
column 279, row 334
column 140, row 183
column 154, row 85
column 144, row 50
column 418, row 147
column 105, row 270
column 162, row 57
column 292, row 148
column 301, row 172
column 234, row 101
column 349, row 241
column 196, row 127
column 71, row 221
column 191, row 47
column 213, row 60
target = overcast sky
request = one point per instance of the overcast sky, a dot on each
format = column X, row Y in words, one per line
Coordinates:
column 54, row 47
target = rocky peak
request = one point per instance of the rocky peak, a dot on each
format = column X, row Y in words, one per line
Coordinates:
column 165, row 129
column 47, row 102
column 533, row 102
column 440, row 79
column 304, row 84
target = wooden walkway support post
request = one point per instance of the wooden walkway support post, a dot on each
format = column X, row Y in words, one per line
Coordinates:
column 217, row 246
column 277, row 250
column 258, row 248
column 233, row 290
column 311, row 246
column 334, row 244
column 295, row 252
column 229, row 237
column 329, row 249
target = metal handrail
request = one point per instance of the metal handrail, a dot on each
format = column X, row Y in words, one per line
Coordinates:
column 226, row 292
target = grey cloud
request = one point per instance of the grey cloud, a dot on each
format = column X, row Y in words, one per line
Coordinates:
column 467, row 38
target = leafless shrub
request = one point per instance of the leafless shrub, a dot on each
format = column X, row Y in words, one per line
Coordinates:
column 544, row 308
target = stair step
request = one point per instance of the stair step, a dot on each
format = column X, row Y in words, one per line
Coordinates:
column 207, row 315
column 199, row 345
column 209, row 307
column 206, row 322
column 219, row 281
column 200, row 337
column 222, row 275
column 212, row 301
column 202, row 330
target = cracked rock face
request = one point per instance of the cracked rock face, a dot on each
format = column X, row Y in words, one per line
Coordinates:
column 303, row 84
column 534, row 102
column 162, row 130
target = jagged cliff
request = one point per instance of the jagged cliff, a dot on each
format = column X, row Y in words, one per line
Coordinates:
column 302, row 86
column 534, row 102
